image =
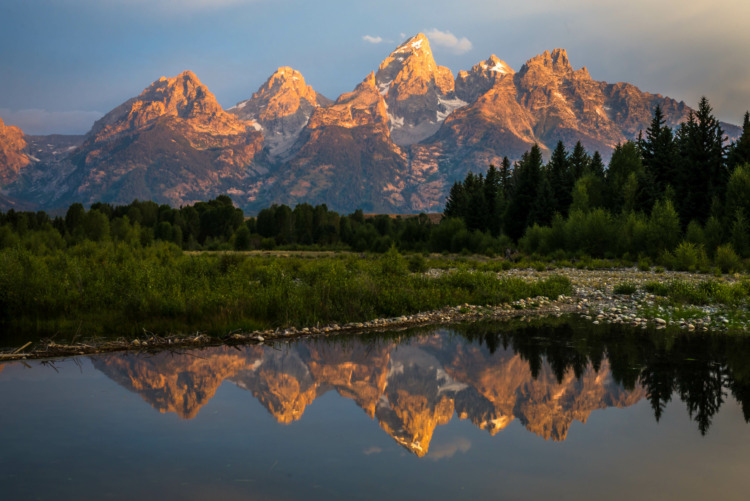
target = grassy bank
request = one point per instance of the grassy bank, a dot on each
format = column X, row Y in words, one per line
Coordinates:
column 116, row 289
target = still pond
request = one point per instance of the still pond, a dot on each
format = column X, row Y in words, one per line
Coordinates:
column 482, row 411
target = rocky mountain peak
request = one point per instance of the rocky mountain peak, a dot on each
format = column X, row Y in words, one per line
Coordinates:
column 411, row 60
column 12, row 157
column 364, row 106
column 281, row 95
column 495, row 65
column 182, row 97
column 560, row 60
column 417, row 43
column 555, row 63
column 173, row 143
column 482, row 76
column 281, row 107
column 418, row 92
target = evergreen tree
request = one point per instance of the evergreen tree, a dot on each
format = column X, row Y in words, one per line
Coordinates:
column 738, row 193
column 527, row 176
column 739, row 152
column 476, row 210
column 455, row 206
column 703, row 174
column 740, row 239
column 625, row 179
column 543, row 207
column 596, row 167
column 561, row 179
column 579, row 161
column 74, row 218
column 505, row 177
column 658, row 152
column 493, row 200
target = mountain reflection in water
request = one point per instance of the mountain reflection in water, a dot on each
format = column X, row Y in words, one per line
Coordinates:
column 546, row 377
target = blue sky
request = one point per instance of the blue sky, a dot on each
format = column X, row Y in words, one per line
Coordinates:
column 64, row 63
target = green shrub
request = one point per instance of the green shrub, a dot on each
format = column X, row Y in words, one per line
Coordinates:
column 688, row 256
column 644, row 264
column 627, row 288
column 417, row 263
column 727, row 260
column 657, row 288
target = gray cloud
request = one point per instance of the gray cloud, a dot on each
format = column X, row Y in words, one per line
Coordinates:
column 371, row 39
column 449, row 40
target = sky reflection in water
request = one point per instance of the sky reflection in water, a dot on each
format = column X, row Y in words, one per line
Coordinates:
column 483, row 413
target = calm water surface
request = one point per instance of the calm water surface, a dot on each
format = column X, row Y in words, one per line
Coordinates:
column 481, row 412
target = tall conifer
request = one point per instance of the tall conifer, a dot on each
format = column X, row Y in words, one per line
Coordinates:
column 739, row 152
column 703, row 174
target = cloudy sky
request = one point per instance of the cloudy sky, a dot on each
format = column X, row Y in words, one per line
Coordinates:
column 64, row 63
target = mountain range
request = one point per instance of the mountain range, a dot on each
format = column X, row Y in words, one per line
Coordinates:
column 394, row 144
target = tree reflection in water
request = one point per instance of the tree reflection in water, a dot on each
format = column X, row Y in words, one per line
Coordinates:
column 700, row 368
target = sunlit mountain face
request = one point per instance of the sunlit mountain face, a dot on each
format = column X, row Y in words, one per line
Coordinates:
column 546, row 378
column 395, row 143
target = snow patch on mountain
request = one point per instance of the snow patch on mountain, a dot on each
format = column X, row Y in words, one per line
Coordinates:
column 449, row 106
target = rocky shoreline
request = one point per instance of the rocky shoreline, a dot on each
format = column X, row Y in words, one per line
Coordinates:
column 593, row 299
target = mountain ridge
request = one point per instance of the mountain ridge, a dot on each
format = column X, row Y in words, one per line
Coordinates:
column 395, row 143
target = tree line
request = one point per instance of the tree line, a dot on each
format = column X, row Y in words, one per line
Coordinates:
column 669, row 191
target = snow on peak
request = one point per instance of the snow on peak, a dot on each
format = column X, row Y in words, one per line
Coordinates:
column 497, row 66
column 501, row 67
column 413, row 44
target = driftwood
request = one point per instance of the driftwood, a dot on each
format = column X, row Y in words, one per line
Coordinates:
column 22, row 348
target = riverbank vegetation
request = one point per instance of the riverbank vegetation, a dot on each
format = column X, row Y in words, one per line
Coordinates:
column 116, row 288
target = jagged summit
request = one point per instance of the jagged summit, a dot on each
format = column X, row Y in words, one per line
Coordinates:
column 418, row 92
column 418, row 42
column 281, row 108
column 495, row 65
column 481, row 78
column 172, row 143
column 183, row 97
column 556, row 61
column 363, row 106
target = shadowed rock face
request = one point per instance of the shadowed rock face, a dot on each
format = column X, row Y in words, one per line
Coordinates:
column 409, row 389
column 12, row 157
column 344, row 156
